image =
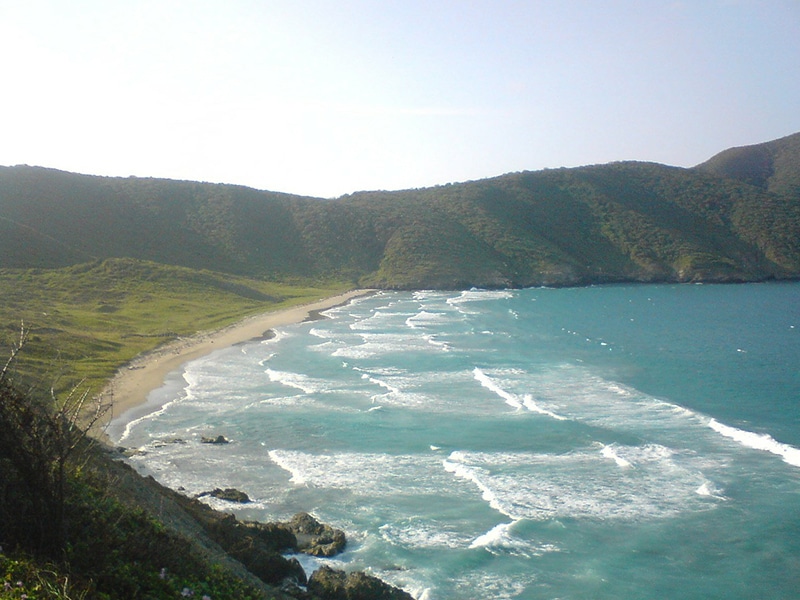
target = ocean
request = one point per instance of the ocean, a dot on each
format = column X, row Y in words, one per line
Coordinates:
column 622, row 441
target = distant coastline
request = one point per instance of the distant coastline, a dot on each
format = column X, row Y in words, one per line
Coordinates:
column 132, row 384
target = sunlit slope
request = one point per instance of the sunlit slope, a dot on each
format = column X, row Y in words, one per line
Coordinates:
column 626, row 221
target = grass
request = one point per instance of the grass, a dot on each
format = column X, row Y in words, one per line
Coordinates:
column 88, row 320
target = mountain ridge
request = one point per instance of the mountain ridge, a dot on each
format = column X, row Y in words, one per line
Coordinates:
column 735, row 217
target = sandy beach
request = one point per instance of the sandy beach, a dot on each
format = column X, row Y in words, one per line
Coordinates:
column 133, row 383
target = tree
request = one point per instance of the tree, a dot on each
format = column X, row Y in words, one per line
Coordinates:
column 39, row 433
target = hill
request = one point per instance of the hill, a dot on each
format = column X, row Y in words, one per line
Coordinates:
column 772, row 166
column 734, row 218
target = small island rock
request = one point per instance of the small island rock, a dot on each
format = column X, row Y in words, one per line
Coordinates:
column 220, row 439
column 229, row 494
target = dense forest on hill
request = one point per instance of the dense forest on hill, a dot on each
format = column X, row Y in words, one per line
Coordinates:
column 771, row 166
column 733, row 218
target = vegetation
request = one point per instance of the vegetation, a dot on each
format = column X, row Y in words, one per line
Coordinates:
column 772, row 166
column 734, row 218
column 76, row 522
column 98, row 270
column 86, row 320
column 65, row 534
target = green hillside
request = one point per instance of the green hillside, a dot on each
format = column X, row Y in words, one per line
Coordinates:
column 772, row 166
column 730, row 219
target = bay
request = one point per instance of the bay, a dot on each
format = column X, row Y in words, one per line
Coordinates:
column 627, row 441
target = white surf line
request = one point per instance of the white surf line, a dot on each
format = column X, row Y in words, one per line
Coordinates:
column 282, row 459
column 463, row 471
column 130, row 425
column 758, row 441
column 511, row 399
column 493, row 536
column 295, row 380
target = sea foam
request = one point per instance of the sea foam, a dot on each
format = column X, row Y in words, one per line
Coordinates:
column 297, row 380
column 500, row 540
column 656, row 482
column 758, row 441
column 512, row 399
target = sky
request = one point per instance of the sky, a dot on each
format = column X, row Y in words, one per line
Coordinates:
column 329, row 97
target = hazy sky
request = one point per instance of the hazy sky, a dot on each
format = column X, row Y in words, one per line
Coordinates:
column 326, row 97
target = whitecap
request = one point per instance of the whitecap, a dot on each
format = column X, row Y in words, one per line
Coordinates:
column 512, row 399
column 501, row 540
column 660, row 482
column 610, row 452
column 296, row 380
column 758, row 441
column 381, row 383
column 490, row 385
column 431, row 339
column 708, row 490
column 476, row 295
column 426, row 319
column 532, row 406
column 416, row 532
column 456, row 466
column 320, row 333
column 363, row 474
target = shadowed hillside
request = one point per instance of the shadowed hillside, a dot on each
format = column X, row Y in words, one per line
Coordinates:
column 734, row 218
column 772, row 166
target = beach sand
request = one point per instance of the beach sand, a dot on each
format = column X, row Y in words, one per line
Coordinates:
column 133, row 383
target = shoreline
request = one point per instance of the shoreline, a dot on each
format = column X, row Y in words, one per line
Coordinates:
column 133, row 382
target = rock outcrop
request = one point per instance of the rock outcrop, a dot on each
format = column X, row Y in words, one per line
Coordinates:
column 255, row 551
column 332, row 584
column 229, row 494
column 315, row 538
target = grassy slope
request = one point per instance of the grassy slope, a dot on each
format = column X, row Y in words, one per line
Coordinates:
column 87, row 320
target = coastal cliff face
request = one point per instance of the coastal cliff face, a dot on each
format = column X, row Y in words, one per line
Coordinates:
column 733, row 218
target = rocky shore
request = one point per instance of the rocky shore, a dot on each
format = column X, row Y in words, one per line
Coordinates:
column 259, row 553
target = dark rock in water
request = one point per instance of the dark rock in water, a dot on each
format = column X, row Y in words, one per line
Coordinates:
column 271, row 568
column 275, row 536
column 220, row 439
column 331, row 584
column 315, row 538
column 229, row 494
column 165, row 441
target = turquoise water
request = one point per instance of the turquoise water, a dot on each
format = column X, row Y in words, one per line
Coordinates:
column 602, row 442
